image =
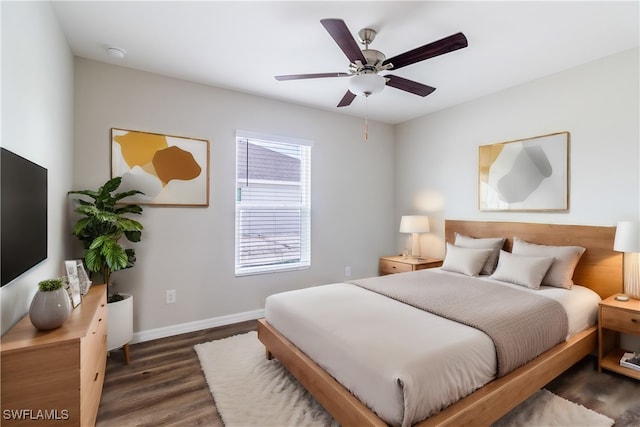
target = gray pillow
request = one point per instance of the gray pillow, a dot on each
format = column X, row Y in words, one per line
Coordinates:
column 566, row 258
column 465, row 260
column 493, row 243
column 522, row 270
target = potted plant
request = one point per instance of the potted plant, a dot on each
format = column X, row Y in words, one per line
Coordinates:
column 101, row 228
column 50, row 306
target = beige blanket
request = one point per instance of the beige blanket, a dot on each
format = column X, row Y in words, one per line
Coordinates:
column 522, row 325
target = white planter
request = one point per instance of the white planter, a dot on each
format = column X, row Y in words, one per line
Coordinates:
column 119, row 322
column 49, row 310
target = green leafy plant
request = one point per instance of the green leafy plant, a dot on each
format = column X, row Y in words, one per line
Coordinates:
column 102, row 227
column 50, row 285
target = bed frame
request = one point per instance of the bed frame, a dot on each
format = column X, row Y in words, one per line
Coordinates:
column 600, row 268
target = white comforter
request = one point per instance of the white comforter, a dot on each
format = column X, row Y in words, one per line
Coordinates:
column 370, row 343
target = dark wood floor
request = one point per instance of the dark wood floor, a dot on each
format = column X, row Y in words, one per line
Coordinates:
column 164, row 385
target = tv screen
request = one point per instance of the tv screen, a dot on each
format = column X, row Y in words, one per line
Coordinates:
column 23, row 215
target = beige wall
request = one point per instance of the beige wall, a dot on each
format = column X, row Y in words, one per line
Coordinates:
column 191, row 250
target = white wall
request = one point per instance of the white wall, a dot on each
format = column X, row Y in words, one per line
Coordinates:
column 37, row 123
column 436, row 163
column 191, row 250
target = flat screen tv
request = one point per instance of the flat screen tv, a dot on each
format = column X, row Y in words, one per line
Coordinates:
column 23, row 215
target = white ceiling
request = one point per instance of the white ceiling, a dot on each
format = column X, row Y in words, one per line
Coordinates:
column 242, row 45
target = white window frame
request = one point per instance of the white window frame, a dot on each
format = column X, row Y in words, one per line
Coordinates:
column 304, row 206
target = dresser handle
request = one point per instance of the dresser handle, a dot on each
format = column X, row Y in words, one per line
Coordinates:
column 634, row 320
column 96, row 378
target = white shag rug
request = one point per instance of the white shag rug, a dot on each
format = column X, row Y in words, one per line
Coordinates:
column 250, row 390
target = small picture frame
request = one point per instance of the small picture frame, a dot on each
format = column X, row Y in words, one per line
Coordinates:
column 85, row 282
column 71, row 268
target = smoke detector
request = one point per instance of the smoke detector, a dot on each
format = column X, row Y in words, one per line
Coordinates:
column 116, row 52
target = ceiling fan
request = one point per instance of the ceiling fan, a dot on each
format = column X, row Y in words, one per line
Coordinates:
column 367, row 63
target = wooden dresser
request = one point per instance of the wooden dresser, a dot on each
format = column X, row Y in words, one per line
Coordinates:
column 55, row 377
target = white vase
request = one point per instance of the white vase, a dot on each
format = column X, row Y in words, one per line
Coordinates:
column 119, row 322
column 49, row 310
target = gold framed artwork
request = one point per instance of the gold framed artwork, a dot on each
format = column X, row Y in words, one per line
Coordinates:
column 528, row 174
column 169, row 170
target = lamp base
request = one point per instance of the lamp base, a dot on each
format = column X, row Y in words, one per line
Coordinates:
column 415, row 245
column 631, row 267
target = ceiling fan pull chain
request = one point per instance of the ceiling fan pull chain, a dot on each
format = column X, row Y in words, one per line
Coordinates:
column 366, row 117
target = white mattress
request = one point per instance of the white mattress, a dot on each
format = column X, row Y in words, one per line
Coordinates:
column 403, row 363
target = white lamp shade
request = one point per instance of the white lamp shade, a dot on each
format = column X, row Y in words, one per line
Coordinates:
column 414, row 224
column 366, row 84
column 627, row 237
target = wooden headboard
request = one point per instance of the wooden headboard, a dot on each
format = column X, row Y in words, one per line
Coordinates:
column 600, row 267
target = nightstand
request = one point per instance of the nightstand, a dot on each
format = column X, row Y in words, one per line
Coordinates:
column 615, row 317
column 399, row 264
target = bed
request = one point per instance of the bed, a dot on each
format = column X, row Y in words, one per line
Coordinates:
column 599, row 269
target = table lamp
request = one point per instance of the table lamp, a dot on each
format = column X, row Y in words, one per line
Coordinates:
column 627, row 240
column 414, row 224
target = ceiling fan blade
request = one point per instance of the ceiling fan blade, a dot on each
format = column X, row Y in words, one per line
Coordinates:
column 409, row 85
column 341, row 34
column 310, row 76
column 347, row 99
column 439, row 47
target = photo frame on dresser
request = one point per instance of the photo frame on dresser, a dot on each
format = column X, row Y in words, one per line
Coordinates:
column 83, row 277
column 71, row 267
column 169, row 170
column 528, row 174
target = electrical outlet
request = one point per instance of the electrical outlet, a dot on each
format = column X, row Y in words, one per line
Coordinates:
column 170, row 296
column 347, row 271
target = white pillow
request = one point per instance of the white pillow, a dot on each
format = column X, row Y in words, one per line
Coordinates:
column 521, row 270
column 465, row 260
column 560, row 274
column 493, row 243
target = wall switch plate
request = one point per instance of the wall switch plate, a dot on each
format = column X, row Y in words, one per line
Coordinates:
column 170, row 296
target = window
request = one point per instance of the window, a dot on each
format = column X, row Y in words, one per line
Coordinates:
column 273, row 204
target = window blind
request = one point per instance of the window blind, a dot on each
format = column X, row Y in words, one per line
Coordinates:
column 273, row 205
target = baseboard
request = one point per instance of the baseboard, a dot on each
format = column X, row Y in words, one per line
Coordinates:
column 183, row 328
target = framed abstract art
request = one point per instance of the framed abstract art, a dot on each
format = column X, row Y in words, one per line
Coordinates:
column 524, row 175
column 169, row 170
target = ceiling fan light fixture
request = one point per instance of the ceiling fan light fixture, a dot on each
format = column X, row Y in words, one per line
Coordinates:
column 366, row 84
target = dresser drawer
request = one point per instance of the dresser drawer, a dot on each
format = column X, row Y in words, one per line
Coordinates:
column 92, row 344
column 390, row 267
column 620, row 320
column 91, row 388
column 93, row 365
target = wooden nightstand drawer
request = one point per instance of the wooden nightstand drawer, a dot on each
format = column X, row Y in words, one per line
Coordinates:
column 620, row 320
column 400, row 264
column 390, row 267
